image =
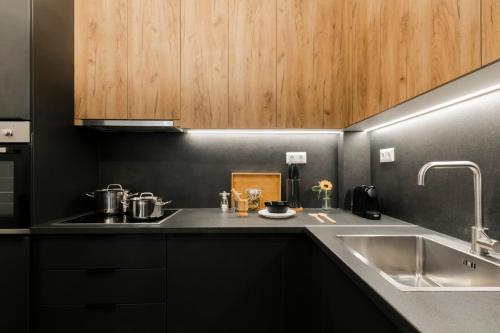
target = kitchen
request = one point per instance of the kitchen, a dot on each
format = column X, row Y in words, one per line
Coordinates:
column 249, row 165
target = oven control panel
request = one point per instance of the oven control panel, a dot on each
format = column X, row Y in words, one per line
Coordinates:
column 14, row 131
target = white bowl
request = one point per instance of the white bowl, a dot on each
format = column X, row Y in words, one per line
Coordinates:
column 266, row 214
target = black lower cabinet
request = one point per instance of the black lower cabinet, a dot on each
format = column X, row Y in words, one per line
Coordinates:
column 341, row 306
column 14, row 283
column 98, row 283
column 189, row 283
column 263, row 283
column 102, row 318
column 238, row 283
column 120, row 286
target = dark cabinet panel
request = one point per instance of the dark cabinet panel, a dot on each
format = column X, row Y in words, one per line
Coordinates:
column 234, row 283
column 100, row 283
column 219, row 283
column 77, row 287
column 297, row 282
column 122, row 318
column 15, row 59
column 343, row 306
column 14, row 284
column 101, row 251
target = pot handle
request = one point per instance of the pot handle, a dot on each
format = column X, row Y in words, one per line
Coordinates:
column 146, row 195
column 90, row 194
column 166, row 203
column 114, row 187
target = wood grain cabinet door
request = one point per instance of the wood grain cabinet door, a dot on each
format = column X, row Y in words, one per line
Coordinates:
column 366, row 59
column 127, row 59
column 490, row 31
column 393, row 52
column 204, row 63
column 444, row 42
column 252, row 64
column 335, row 69
column 313, row 63
column 100, row 59
column 154, row 59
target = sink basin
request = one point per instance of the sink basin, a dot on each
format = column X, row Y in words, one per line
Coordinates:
column 422, row 263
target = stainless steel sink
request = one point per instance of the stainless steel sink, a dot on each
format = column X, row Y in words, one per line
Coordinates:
column 425, row 263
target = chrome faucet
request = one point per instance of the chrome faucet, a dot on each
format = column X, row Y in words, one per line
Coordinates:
column 481, row 242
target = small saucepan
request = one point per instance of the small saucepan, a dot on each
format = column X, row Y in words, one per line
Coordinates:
column 146, row 206
column 277, row 207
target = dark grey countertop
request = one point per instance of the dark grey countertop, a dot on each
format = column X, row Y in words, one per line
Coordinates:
column 440, row 311
column 212, row 220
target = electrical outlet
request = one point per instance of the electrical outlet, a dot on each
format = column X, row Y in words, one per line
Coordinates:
column 387, row 155
column 296, row 157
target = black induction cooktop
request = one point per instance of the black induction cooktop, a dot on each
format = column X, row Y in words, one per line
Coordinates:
column 99, row 218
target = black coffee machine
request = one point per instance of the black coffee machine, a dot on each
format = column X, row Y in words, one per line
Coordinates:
column 365, row 202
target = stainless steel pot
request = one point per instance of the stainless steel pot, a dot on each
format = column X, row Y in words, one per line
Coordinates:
column 146, row 206
column 109, row 200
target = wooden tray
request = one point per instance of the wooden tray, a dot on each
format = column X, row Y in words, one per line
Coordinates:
column 269, row 183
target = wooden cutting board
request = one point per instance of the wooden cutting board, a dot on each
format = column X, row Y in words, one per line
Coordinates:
column 268, row 182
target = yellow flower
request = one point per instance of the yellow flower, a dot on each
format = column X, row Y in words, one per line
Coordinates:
column 325, row 185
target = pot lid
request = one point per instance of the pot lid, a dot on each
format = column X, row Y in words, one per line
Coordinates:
column 145, row 196
column 112, row 187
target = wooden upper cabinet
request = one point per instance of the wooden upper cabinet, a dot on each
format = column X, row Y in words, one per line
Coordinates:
column 311, row 69
column 490, row 31
column 100, row 59
column 366, row 59
column 127, row 59
column 153, row 59
column 335, row 69
column 420, row 47
column 393, row 52
column 272, row 63
column 204, row 63
column 252, row 64
column 403, row 48
column 444, row 42
column 295, row 36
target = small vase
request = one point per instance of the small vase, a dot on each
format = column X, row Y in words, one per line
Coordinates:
column 326, row 202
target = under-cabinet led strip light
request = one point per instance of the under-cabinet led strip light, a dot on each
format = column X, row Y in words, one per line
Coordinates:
column 257, row 131
column 438, row 107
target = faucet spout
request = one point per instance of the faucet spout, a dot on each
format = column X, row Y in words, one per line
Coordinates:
column 423, row 171
column 481, row 243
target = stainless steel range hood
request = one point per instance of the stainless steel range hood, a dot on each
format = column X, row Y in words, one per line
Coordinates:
column 129, row 125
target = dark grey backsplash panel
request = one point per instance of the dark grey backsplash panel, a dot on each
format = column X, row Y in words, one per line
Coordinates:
column 354, row 164
column 469, row 131
column 192, row 169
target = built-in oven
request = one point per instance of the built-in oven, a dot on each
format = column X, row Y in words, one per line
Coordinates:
column 15, row 157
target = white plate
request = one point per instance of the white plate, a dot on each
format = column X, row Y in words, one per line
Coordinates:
column 265, row 213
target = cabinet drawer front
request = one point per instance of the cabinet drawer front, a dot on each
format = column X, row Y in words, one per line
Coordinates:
column 14, row 283
column 123, row 318
column 102, row 251
column 79, row 287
